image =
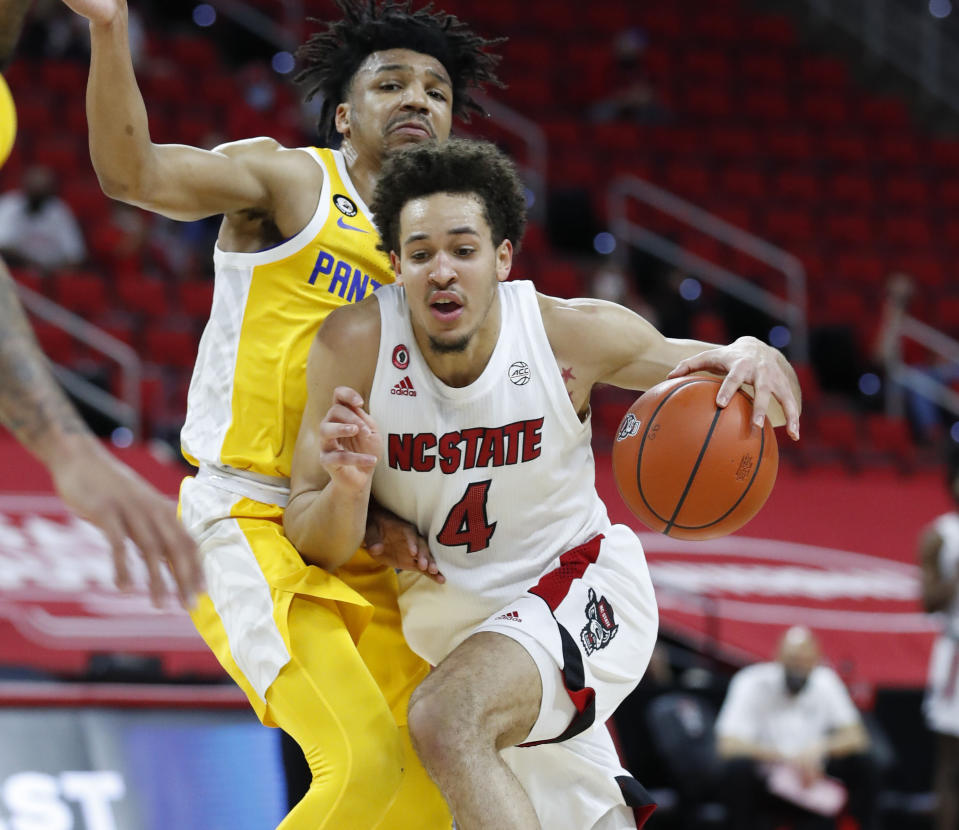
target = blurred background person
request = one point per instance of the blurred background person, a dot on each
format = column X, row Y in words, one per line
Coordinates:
column 939, row 564
column 793, row 712
column 37, row 227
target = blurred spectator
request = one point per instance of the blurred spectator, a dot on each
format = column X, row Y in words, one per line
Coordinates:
column 939, row 561
column 634, row 96
column 54, row 31
column 790, row 726
column 925, row 416
column 128, row 245
column 37, row 227
column 611, row 282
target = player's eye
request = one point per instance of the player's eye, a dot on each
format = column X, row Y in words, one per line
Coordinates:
column 437, row 94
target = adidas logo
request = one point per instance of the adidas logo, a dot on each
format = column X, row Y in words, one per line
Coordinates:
column 404, row 387
column 510, row 616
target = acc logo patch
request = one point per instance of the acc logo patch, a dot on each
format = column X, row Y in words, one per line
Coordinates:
column 629, row 427
column 519, row 373
column 344, row 204
column 600, row 627
column 401, row 357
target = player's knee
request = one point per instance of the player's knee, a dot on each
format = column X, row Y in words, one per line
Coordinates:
column 439, row 728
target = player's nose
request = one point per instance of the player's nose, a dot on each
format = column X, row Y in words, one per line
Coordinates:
column 443, row 272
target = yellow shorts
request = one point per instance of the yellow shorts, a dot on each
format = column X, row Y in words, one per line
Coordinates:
column 321, row 656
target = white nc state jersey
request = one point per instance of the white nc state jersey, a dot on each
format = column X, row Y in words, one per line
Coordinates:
column 498, row 476
column 948, row 528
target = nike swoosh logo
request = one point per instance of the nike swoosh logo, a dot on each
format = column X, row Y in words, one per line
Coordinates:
column 346, row 227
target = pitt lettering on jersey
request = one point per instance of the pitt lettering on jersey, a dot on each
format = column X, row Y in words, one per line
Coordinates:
column 346, row 281
column 465, row 449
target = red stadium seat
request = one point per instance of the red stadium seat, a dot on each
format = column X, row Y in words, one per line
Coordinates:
column 787, row 226
column 692, row 181
column 907, row 230
column 797, row 185
column 146, row 296
column 171, row 347
column 845, row 146
column 710, row 65
column 883, row 111
column 849, row 228
column 907, row 190
column 947, row 192
column 945, row 152
column 890, row 437
column 774, row 30
column 861, row 267
column 851, row 189
column 899, row 147
column 708, row 101
column 733, row 142
column 824, row 108
column 82, row 292
column 823, row 71
column 771, row 104
column 765, row 67
column 195, row 298
column 744, row 182
column 928, row 269
column 57, row 344
column 794, row 144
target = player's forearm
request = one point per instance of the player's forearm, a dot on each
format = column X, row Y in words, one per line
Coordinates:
column 327, row 526
column 32, row 405
column 120, row 145
column 729, row 748
column 12, row 15
column 846, row 741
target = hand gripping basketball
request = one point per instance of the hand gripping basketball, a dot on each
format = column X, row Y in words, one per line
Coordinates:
column 689, row 468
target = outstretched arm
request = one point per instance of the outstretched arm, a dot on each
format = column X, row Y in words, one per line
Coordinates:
column 173, row 179
column 91, row 482
column 606, row 343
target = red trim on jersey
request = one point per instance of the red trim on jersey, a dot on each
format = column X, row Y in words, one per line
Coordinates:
column 554, row 586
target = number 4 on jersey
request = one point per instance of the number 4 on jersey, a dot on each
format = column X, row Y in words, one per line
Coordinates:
column 467, row 523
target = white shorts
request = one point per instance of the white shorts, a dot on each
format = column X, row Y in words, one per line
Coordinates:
column 941, row 705
column 590, row 626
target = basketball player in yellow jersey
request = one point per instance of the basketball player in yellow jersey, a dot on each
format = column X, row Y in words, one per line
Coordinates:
column 318, row 654
column 91, row 481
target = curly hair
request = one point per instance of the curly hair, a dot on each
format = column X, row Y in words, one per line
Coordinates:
column 457, row 166
column 329, row 59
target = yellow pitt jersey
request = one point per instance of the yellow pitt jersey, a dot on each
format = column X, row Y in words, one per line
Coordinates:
column 248, row 388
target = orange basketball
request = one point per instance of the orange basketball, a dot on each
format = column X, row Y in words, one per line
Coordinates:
column 688, row 468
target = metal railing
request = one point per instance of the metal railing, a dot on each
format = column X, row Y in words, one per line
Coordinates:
column 791, row 310
column 907, row 36
column 125, row 409
column 900, row 377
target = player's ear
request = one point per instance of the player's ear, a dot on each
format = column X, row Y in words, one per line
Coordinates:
column 341, row 119
column 395, row 262
column 504, row 260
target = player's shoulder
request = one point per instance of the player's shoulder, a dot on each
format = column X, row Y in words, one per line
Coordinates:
column 350, row 326
column 759, row 676
column 264, row 149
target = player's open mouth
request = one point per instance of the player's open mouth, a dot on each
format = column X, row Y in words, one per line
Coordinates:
column 446, row 307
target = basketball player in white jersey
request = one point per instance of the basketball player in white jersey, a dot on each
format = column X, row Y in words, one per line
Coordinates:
column 939, row 564
column 477, row 431
column 89, row 479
